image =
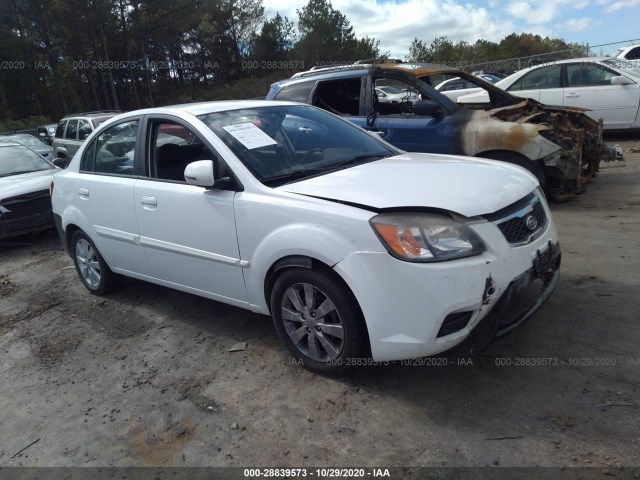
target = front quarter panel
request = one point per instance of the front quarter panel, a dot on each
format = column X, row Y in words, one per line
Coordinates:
column 273, row 225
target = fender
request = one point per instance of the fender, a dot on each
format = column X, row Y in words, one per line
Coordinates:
column 306, row 240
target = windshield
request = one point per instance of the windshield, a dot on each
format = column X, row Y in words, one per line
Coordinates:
column 281, row 144
column 17, row 159
column 29, row 141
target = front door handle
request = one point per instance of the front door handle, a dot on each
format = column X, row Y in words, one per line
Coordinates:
column 149, row 202
column 572, row 95
column 83, row 192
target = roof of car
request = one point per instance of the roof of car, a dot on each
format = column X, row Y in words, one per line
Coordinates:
column 97, row 113
column 201, row 108
column 417, row 69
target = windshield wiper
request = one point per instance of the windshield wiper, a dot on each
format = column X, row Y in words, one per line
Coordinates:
column 361, row 159
column 295, row 174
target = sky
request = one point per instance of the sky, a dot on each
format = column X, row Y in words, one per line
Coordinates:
column 397, row 23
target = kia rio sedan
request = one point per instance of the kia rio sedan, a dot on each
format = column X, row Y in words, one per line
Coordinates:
column 360, row 252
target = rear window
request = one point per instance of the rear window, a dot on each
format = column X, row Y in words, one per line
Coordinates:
column 297, row 92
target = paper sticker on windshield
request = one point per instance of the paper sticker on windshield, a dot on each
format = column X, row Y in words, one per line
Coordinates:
column 250, row 135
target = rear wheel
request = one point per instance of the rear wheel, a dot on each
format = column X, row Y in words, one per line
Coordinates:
column 533, row 166
column 317, row 319
column 93, row 271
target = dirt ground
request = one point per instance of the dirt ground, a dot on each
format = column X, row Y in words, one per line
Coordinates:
column 144, row 376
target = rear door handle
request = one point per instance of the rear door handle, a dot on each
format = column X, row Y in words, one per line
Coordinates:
column 83, row 192
column 572, row 95
column 149, row 202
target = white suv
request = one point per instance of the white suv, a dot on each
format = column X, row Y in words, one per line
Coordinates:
column 359, row 252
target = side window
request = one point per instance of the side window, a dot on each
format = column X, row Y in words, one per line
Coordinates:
column 633, row 54
column 588, row 75
column 84, row 129
column 341, row 97
column 114, row 149
column 72, row 130
column 399, row 96
column 297, row 92
column 89, row 158
column 60, row 128
column 541, row 78
column 172, row 148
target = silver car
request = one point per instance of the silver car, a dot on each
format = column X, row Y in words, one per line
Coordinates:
column 73, row 129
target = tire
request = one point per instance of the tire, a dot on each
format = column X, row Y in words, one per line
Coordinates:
column 533, row 166
column 298, row 295
column 93, row 271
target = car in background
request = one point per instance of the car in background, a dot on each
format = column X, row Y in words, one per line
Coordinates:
column 391, row 94
column 33, row 143
column 47, row 133
column 72, row 130
column 287, row 210
column 25, row 178
column 562, row 147
column 632, row 52
column 454, row 86
column 608, row 87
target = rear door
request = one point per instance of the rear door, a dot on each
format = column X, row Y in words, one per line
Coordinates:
column 104, row 189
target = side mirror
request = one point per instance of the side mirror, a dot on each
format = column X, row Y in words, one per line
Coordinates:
column 620, row 80
column 60, row 162
column 202, row 174
column 427, row 108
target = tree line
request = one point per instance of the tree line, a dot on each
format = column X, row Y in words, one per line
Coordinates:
column 60, row 57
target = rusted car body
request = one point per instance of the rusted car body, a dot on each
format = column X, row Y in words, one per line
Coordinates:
column 563, row 147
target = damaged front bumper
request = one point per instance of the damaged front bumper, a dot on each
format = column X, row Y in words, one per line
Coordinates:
column 522, row 298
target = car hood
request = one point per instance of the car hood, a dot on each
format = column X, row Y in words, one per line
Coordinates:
column 462, row 185
column 25, row 183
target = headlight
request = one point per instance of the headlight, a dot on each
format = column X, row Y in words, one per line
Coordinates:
column 426, row 237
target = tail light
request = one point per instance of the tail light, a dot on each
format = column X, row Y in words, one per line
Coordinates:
column 51, row 189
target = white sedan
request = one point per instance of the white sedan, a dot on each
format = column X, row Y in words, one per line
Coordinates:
column 391, row 94
column 608, row 87
column 359, row 252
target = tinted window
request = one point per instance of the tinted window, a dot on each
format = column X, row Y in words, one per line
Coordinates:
column 588, row 75
column 115, row 149
column 540, row 78
column 633, row 54
column 72, row 130
column 60, row 128
column 298, row 92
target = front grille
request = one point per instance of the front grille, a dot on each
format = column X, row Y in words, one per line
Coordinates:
column 26, row 205
column 525, row 224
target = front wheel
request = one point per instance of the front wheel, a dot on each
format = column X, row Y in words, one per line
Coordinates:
column 93, row 271
column 317, row 319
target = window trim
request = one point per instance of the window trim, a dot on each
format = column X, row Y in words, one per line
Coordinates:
column 144, row 165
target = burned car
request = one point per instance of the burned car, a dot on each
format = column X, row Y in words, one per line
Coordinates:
column 562, row 147
column 25, row 177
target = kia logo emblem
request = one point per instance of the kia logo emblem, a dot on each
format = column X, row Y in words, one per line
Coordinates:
column 531, row 222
